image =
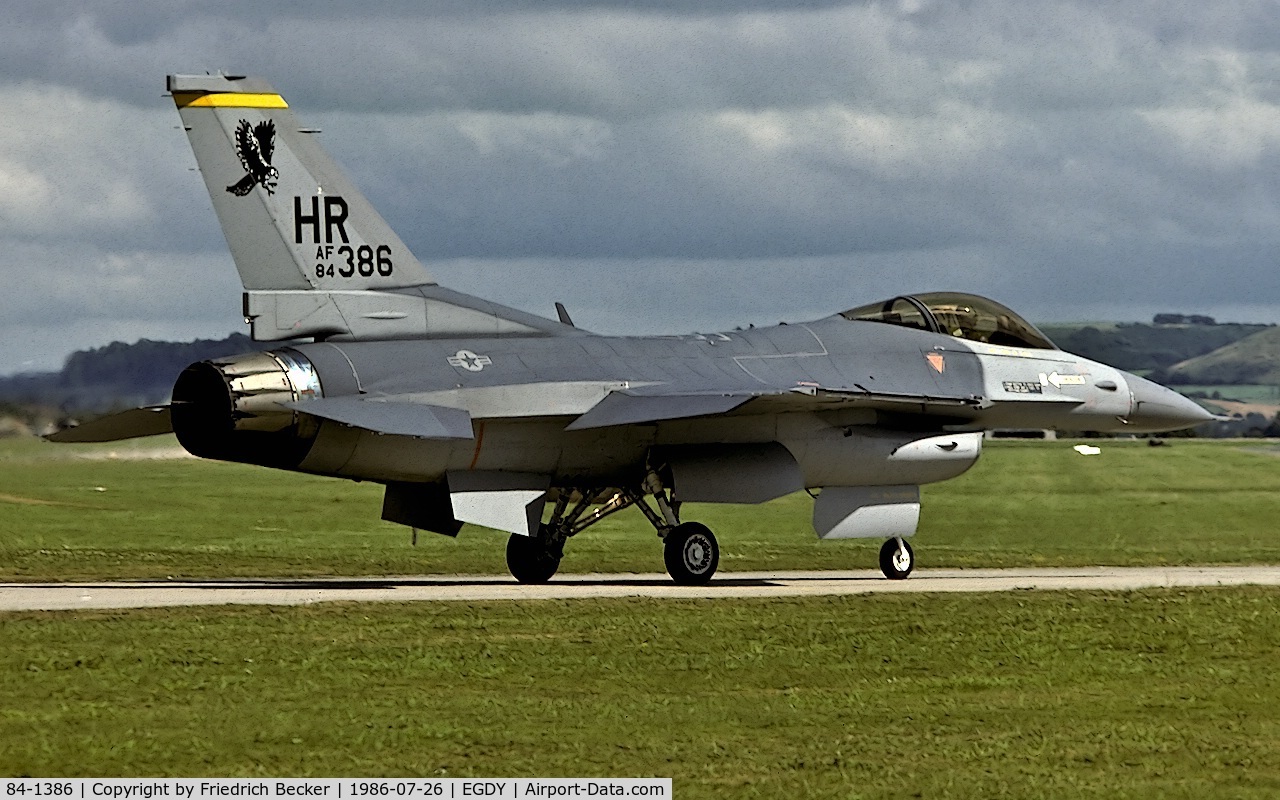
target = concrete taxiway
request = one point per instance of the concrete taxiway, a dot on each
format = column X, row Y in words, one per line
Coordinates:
column 152, row 594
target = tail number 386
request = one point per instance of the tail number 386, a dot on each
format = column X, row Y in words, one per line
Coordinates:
column 348, row 261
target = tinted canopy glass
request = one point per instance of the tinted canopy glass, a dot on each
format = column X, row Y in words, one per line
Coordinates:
column 966, row 316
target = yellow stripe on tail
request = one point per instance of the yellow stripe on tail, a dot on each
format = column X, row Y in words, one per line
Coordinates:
column 228, row 100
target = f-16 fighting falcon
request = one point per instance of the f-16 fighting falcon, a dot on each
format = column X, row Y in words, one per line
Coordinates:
column 468, row 411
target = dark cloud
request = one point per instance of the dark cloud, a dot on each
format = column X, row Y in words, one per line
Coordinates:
column 636, row 158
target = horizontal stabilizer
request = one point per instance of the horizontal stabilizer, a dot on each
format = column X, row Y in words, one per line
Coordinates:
column 391, row 418
column 624, row 408
column 131, row 424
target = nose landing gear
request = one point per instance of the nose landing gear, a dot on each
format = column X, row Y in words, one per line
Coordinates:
column 897, row 559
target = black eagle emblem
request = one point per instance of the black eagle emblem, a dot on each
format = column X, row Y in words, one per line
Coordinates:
column 254, row 146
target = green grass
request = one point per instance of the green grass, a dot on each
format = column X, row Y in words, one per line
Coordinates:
column 1252, row 359
column 63, row 516
column 1165, row 693
column 1159, row 693
column 1190, row 502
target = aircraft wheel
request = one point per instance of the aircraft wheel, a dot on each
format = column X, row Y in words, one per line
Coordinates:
column 529, row 560
column 692, row 553
column 896, row 559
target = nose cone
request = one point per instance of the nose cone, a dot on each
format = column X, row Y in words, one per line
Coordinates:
column 1156, row 408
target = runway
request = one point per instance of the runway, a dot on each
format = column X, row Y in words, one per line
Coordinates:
column 414, row 589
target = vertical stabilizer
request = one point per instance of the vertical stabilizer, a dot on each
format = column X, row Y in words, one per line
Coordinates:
column 293, row 221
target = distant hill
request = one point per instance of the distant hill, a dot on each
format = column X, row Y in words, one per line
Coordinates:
column 1141, row 347
column 116, row 376
column 1254, row 359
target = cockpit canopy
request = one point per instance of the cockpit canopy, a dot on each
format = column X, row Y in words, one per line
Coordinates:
column 965, row 316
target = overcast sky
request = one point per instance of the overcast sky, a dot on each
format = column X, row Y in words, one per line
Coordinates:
column 664, row 166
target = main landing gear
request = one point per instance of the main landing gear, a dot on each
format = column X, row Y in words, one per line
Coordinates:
column 690, row 549
column 691, row 553
column 533, row 559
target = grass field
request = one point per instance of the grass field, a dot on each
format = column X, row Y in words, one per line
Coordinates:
column 1162, row 693
column 1056, row 694
column 71, row 513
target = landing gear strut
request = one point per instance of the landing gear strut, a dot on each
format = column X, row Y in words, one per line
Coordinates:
column 535, row 559
column 690, row 549
column 896, row 559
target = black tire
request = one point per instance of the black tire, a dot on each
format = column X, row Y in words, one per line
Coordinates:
column 894, row 567
column 529, row 560
column 692, row 554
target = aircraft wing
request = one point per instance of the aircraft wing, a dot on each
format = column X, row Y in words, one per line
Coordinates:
column 131, row 424
column 391, row 417
column 653, row 405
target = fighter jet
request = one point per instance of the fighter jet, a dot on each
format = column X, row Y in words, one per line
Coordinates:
column 469, row 411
